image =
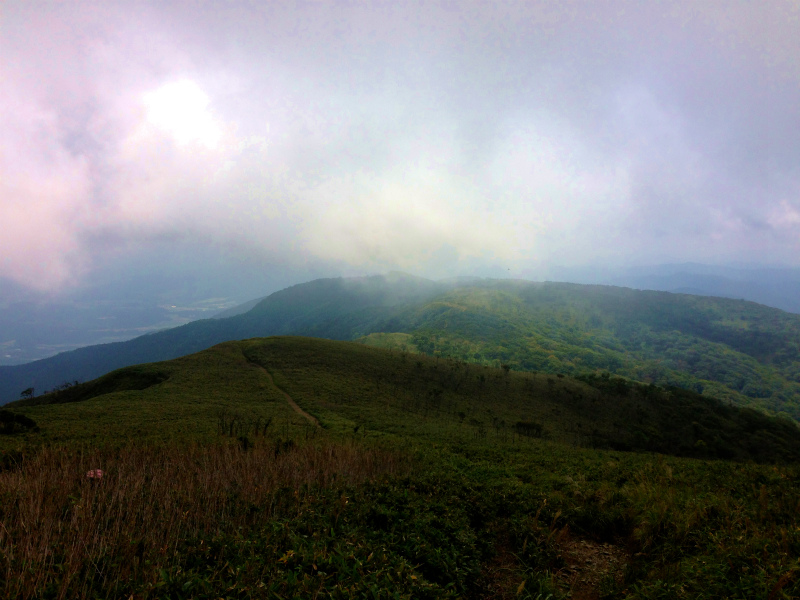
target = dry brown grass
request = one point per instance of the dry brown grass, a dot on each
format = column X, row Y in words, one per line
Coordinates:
column 59, row 530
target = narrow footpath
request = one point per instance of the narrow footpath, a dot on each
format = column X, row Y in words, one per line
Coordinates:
column 289, row 399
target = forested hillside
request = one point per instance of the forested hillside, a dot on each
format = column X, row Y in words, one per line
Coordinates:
column 729, row 349
column 738, row 351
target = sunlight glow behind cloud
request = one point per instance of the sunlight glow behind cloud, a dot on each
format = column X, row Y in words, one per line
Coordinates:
column 181, row 109
column 373, row 136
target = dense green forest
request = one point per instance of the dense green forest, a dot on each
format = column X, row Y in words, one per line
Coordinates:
column 296, row 467
column 734, row 350
column 737, row 351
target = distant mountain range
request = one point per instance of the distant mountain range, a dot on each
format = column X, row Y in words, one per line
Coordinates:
column 738, row 351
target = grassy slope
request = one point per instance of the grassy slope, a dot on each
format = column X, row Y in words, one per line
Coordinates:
column 348, row 385
column 477, row 494
column 197, row 392
column 330, row 308
column 352, row 386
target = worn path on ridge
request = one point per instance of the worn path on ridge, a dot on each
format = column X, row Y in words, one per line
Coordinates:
column 289, row 399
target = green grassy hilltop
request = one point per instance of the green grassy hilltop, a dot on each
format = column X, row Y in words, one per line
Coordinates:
column 297, row 467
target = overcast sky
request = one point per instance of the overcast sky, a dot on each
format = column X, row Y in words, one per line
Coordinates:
column 438, row 138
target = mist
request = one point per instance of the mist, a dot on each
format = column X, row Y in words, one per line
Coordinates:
column 346, row 138
column 186, row 153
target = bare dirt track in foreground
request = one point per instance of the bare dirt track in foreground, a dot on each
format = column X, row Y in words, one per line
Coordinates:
column 588, row 564
column 289, row 399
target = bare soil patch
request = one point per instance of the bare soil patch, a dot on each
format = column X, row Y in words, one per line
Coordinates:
column 590, row 566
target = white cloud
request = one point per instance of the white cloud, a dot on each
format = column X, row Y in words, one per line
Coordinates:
column 785, row 215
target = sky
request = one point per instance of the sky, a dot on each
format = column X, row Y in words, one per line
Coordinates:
column 290, row 140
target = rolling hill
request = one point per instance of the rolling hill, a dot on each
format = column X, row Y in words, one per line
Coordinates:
column 297, row 467
column 330, row 308
column 738, row 351
column 343, row 385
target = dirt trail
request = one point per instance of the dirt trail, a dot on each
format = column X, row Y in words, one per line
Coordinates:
column 588, row 563
column 289, row 399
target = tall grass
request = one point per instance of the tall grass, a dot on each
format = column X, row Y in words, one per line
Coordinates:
column 65, row 535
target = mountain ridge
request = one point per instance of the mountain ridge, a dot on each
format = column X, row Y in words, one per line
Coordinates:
column 736, row 350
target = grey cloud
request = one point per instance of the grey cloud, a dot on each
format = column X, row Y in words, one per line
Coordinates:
column 380, row 135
